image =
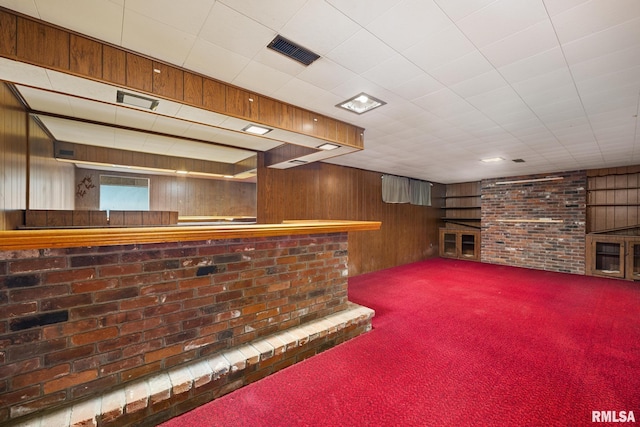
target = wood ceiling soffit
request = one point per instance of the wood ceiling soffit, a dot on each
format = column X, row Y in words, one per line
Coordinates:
column 32, row 41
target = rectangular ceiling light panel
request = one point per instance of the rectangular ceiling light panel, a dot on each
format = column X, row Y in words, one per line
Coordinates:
column 137, row 100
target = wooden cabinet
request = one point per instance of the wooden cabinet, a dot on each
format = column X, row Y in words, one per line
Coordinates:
column 460, row 243
column 613, row 256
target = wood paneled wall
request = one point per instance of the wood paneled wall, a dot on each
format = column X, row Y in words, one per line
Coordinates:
column 613, row 198
column 29, row 40
column 51, row 183
column 13, row 159
column 323, row 191
column 188, row 196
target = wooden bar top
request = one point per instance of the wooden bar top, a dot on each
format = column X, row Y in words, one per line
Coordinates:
column 76, row 237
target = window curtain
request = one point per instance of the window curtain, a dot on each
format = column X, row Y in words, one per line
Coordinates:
column 395, row 189
column 419, row 192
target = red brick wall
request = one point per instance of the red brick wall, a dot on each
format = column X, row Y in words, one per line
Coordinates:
column 77, row 321
column 552, row 246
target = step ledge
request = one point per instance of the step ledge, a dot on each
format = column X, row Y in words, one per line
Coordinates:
column 139, row 395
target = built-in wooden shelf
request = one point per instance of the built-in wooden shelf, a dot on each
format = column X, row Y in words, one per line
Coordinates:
column 462, row 205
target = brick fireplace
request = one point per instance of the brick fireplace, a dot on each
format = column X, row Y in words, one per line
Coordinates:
column 535, row 221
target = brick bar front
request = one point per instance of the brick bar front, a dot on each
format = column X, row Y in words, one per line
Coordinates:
column 77, row 322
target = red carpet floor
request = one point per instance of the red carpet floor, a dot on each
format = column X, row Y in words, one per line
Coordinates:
column 459, row 343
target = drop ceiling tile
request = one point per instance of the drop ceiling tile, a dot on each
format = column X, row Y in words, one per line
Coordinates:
column 440, row 49
column 260, row 78
column 129, row 117
column 88, row 110
column 534, row 66
column 39, row 100
column 273, row 14
column 19, row 72
column 606, row 64
column 613, row 99
column 326, row 74
column 66, row 83
column 300, row 93
column 417, row 87
column 235, row 32
column 620, row 81
column 412, row 14
column 202, row 132
column 174, row 14
column 544, row 88
column 522, row 124
column 199, row 115
column 170, row 126
column 457, row 10
column 620, row 37
column 485, row 82
column 390, row 72
column 160, row 145
column 28, row 7
column 497, row 101
column 500, row 19
column 166, row 108
column 101, row 19
column 66, row 130
column 362, row 12
column 594, row 16
column 532, row 40
column 463, row 68
column 444, row 103
column 278, row 62
column 142, row 34
column 361, row 52
column 309, row 27
column 210, row 152
column 215, row 61
column 554, row 7
column 619, row 117
column 552, row 96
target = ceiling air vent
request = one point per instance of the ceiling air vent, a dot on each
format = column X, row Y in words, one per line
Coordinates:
column 292, row 50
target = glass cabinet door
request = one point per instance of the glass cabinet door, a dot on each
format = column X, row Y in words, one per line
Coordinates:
column 468, row 245
column 609, row 258
column 449, row 244
column 633, row 261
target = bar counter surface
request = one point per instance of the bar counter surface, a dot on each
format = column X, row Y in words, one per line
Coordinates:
column 77, row 237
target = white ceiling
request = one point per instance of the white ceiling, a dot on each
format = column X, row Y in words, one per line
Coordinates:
column 553, row 82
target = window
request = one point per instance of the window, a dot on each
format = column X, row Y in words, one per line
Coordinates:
column 124, row 193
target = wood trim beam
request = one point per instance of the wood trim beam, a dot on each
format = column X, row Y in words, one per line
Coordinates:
column 70, row 238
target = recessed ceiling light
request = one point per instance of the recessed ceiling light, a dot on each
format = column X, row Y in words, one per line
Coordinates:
column 328, row 146
column 492, row 160
column 361, row 103
column 137, row 100
column 256, row 130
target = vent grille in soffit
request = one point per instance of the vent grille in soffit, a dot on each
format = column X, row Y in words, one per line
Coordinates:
column 292, row 50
